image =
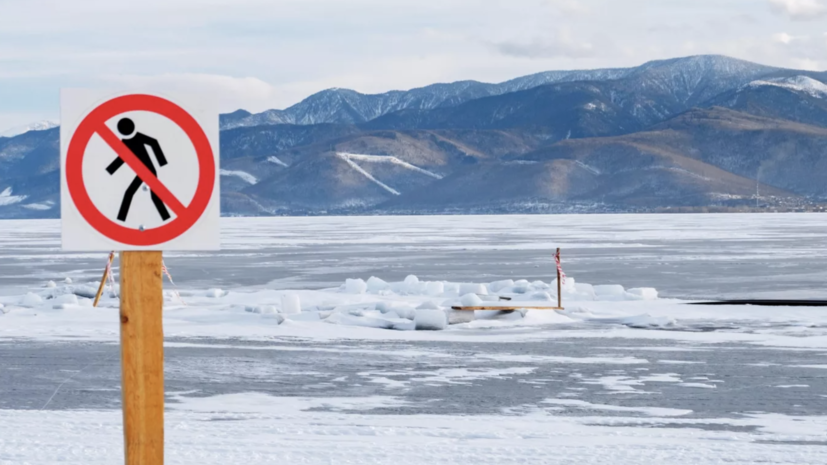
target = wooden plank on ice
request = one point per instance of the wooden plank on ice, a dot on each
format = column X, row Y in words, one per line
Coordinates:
column 506, row 308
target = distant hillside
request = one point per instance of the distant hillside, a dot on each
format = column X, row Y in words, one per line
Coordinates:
column 796, row 98
column 694, row 132
column 700, row 158
column 30, row 175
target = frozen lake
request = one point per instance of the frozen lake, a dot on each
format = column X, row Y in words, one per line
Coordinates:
column 684, row 256
column 620, row 376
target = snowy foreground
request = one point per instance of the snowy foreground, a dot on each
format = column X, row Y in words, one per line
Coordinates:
column 247, row 429
column 252, row 427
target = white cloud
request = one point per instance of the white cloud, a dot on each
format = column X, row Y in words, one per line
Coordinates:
column 261, row 54
column 808, row 64
column 403, row 72
column 563, row 44
column 231, row 92
column 800, row 9
column 576, row 7
column 256, row 95
column 782, row 38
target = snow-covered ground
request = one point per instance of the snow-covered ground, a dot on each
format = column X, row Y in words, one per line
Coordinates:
column 377, row 368
column 246, row 429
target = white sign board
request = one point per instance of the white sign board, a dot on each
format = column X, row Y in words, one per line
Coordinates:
column 139, row 171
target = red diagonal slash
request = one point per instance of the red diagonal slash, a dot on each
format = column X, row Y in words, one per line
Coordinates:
column 155, row 185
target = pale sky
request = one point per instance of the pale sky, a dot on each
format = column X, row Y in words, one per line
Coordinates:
column 261, row 54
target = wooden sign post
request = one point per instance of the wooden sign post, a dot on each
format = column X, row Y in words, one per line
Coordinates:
column 104, row 160
column 142, row 357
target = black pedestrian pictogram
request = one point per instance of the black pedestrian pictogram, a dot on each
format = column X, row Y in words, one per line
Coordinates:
column 137, row 145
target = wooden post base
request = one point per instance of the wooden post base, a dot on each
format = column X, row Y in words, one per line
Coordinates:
column 142, row 357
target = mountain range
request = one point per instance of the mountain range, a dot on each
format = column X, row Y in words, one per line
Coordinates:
column 696, row 133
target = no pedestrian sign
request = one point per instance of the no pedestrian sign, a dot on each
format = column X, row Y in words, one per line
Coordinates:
column 138, row 172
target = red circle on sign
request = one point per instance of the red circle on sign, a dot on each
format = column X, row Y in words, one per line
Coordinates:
column 80, row 196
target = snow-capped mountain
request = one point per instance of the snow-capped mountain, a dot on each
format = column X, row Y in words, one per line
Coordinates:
column 690, row 132
column 804, row 84
column 38, row 126
column 795, row 98
column 30, row 174
column 669, row 86
column 345, row 106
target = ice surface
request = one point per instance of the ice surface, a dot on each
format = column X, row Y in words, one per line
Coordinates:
column 274, row 318
column 622, row 423
column 290, row 304
column 609, row 290
column 645, row 293
column 456, row 317
column 473, row 288
column 655, row 412
column 321, row 252
column 356, row 286
column 471, row 300
column 31, row 300
column 428, row 305
column 215, row 293
column 404, row 311
column 60, row 312
column 648, row 321
column 342, row 318
column 307, row 316
column 375, row 284
column 261, row 309
column 70, row 299
column 411, row 284
column 434, row 288
column 586, row 290
column 541, row 296
column 496, row 286
column 81, row 290
column 430, row 320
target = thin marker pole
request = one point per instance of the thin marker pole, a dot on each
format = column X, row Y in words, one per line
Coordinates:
column 559, row 284
column 106, row 272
